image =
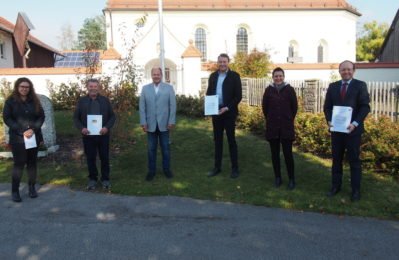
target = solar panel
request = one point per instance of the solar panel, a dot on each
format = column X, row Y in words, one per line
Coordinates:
column 76, row 59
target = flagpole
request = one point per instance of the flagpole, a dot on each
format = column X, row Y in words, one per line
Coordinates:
column 161, row 39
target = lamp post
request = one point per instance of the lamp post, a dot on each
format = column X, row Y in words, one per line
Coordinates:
column 161, row 40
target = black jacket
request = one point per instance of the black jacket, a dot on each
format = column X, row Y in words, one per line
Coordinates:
column 232, row 89
column 356, row 97
column 80, row 114
column 21, row 116
column 279, row 109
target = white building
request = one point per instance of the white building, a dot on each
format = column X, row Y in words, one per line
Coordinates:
column 322, row 31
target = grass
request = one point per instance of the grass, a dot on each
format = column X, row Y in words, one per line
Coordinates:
column 192, row 158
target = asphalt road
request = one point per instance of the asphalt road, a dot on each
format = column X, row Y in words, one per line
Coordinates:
column 67, row 224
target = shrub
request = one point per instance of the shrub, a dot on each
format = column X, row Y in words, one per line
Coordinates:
column 190, row 106
column 312, row 134
column 5, row 91
column 380, row 145
column 251, row 118
column 65, row 96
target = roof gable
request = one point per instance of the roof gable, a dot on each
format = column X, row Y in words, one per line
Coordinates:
column 7, row 26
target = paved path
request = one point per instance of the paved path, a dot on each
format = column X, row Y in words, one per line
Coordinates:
column 67, row 224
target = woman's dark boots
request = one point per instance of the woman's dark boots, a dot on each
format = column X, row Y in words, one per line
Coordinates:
column 32, row 191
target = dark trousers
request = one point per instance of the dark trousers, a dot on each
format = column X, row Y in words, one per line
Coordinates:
column 287, row 151
column 351, row 143
column 220, row 123
column 23, row 157
column 91, row 145
column 152, row 150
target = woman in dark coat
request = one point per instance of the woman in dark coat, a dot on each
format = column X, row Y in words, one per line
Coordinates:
column 280, row 106
column 24, row 116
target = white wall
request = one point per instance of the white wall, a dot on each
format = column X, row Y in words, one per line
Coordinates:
column 386, row 74
column 191, row 76
column 267, row 29
column 8, row 60
column 271, row 30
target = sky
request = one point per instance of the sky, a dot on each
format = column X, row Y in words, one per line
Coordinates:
column 48, row 16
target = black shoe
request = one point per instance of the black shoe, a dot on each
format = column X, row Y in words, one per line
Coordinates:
column 214, row 172
column 168, row 174
column 150, row 176
column 106, row 184
column 355, row 196
column 277, row 182
column 291, row 184
column 16, row 197
column 234, row 174
column 91, row 185
column 32, row 191
column 333, row 191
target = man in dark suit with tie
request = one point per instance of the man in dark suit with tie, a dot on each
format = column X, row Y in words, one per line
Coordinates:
column 226, row 84
column 352, row 93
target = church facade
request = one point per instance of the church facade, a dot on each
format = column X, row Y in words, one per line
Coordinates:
column 292, row 32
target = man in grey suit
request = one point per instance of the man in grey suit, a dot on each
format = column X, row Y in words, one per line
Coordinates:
column 157, row 116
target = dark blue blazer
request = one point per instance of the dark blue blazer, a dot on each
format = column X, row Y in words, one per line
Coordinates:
column 356, row 97
column 232, row 89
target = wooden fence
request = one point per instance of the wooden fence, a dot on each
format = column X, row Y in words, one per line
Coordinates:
column 384, row 96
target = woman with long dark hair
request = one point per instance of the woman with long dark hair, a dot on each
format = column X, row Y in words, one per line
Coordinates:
column 24, row 116
column 280, row 106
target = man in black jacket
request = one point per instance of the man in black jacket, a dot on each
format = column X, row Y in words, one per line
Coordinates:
column 348, row 92
column 95, row 104
column 226, row 84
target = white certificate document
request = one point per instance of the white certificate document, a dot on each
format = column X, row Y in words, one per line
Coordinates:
column 341, row 118
column 94, row 124
column 30, row 142
column 211, row 105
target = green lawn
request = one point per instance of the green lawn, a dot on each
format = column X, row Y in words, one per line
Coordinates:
column 192, row 158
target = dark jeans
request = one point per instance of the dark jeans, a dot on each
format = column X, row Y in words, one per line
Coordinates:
column 220, row 123
column 351, row 143
column 287, row 151
column 23, row 157
column 152, row 150
column 91, row 145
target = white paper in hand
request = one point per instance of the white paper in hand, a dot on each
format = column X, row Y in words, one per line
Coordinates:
column 94, row 124
column 341, row 119
column 211, row 105
column 30, row 142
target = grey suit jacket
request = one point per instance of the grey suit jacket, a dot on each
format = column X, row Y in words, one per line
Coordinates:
column 157, row 108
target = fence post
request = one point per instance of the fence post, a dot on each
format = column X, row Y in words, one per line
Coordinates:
column 310, row 96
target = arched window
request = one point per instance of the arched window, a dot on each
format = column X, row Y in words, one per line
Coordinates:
column 322, row 51
column 242, row 40
column 293, row 52
column 200, row 42
column 320, row 54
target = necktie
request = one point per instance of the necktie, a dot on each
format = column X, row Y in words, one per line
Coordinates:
column 343, row 90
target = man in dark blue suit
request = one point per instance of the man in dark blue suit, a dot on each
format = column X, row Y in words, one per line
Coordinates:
column 226, row 84
column 352, row 93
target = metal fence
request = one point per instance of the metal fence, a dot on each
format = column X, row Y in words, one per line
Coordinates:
column 384, row 96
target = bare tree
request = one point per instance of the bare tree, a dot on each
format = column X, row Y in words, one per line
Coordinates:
column 67, row 38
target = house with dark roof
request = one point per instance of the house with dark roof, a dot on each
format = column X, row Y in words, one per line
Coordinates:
column 390, row 48
column 40, row 55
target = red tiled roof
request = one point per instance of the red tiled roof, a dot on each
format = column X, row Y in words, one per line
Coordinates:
column 230, row 4
column 7, row 26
